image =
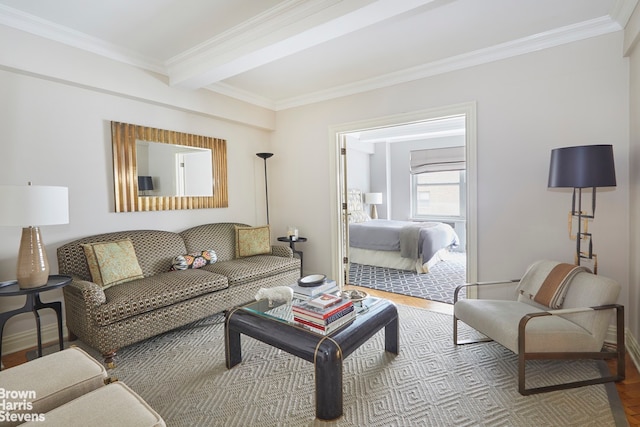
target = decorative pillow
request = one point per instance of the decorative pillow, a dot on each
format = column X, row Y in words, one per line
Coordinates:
column 112, row 263
column 252, row 241
column 197, row 260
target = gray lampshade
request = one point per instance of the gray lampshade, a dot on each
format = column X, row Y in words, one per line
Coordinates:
column 582, row 167
column 145, row 183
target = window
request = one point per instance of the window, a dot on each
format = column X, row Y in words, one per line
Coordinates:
column 438, row 184
column 438, row 194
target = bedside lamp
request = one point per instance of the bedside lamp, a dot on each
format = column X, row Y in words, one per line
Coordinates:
column 31, row 207
column 586, row 166
column 373, row 199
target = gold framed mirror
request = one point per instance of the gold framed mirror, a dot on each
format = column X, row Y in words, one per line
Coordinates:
column 171, row 183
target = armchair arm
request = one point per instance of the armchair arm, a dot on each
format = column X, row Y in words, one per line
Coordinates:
column 282, row 251
column 465, row 285
column 618, row 354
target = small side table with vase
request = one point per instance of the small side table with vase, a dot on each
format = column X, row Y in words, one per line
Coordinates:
column 33, row 304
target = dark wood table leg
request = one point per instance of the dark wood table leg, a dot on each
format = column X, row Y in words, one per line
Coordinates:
column 328, row 367
column 391, row 336
column 233, row 351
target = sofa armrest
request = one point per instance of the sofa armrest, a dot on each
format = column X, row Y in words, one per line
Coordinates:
column 90, row 292
column 512, row 282
column 282, row 251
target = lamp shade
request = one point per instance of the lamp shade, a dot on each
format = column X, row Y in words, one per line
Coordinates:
column 31, row 205
column 145, row 183
column 582, row 167
column 373, row 198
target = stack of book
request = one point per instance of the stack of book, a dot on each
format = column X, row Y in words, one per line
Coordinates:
column 302, row 292
column 324, row 314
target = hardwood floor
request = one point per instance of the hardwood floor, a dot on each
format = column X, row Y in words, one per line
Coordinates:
column 629, row 389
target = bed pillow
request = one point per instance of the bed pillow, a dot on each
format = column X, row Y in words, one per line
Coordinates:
column 358, row 216
column 196, row 260
column 112, row 263
column 252, row 241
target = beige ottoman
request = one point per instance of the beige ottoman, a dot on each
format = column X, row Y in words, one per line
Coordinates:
column 45, row 383
column 112, row 405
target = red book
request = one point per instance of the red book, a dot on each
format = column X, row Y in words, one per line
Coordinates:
column 320, row 313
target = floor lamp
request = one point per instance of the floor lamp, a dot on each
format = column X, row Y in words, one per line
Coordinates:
column 586, row 166
column 265, row 156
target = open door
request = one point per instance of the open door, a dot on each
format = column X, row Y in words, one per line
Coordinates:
column 344, row 216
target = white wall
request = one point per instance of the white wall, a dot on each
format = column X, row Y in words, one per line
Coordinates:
column 54, row 132
column 569, row 95
column 633, row 304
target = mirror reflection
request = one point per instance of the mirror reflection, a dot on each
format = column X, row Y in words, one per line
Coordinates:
column 173, row 170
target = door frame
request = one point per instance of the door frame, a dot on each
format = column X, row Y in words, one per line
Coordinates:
column 338, row 192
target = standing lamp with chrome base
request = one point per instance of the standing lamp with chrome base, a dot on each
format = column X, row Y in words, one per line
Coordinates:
column 30, row 207
column 586, row 166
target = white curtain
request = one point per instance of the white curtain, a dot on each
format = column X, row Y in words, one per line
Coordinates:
column 437, row 160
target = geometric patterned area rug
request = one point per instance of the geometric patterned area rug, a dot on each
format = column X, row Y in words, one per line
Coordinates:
column 182, row 375
column 436, row 285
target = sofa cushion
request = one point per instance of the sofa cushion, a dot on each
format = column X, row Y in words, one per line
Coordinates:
column 252, row 241
column 154, row 292
column 112, row 263
column 195, row 260
column 257, row 267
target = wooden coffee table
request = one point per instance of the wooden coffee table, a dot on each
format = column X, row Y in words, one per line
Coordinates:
column 274, row 326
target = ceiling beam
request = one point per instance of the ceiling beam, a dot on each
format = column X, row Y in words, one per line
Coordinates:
column 290, row 27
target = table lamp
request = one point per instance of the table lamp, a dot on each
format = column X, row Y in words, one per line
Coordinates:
column 30, row 207
column 373, row 199
column 145, row 184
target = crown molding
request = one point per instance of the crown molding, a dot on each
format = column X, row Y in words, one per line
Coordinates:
column 545, row 40
column 622, row 10
column 49, row 30
column 242, row 95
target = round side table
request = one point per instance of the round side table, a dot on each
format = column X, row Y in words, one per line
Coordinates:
column 292, row 245
column 34, row 304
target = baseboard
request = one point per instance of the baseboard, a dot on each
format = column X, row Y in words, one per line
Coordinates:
column 631, row 345
column 633, row 348
column 29, row 339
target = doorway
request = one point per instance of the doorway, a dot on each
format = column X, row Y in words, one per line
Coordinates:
column 379, row 138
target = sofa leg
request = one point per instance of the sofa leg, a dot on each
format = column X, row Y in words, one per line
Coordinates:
column 108, row 359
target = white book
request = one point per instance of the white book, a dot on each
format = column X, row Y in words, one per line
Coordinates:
column 311, row 291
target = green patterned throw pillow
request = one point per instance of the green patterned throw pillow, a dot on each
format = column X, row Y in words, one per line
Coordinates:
column 112, row 263
column 252, row 241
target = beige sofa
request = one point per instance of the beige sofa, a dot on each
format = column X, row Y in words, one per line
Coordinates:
column 161, row 300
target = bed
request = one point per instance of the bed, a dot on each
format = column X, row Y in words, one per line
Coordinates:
column 402, row 245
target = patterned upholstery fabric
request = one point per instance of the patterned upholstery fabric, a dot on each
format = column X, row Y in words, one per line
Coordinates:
column 164, row 300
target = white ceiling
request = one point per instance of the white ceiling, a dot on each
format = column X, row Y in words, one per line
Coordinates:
column 283, row 53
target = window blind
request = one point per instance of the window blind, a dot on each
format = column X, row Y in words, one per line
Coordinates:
column 437, row 160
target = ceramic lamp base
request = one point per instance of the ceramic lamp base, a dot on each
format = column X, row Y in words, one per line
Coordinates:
column 33, row 265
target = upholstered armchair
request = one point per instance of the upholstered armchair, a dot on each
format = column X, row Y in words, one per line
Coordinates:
column 556, row 311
